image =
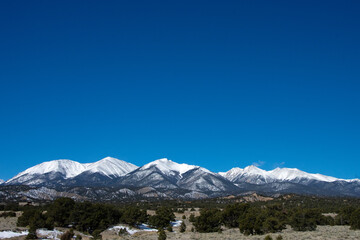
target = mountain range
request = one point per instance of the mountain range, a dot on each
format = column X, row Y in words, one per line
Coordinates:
column 168, row 179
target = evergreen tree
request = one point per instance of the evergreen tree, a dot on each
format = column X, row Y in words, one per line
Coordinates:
column 208, row 221
column 97, row 234
column 232, row 213
column 355, row 220
column 162, row 218
column 134, row 216
column 161, row 234
column 249, row 223
column 32, row 233
column 192, row 218
column 302, row 220
column 182, row 227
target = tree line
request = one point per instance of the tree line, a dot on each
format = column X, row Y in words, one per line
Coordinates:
column 87, row 217
column 302, row 214
column 253, row 219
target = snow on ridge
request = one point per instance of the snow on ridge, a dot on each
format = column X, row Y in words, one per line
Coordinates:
column 232, row 173
column 167, row 166
column 68, row 168
column 281, row 174
column 111, row 167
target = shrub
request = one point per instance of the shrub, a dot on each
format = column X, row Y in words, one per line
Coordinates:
column 183, row 217
column 192, row 218
column 8, row 214
column 181, row 210
column 279, row 237
column 355, row 219
column 134, row 216
column 169, row 228
column 343, row 218
column 162, row 218
column 272, row 225
column 68, row 235
column 302, row 220
column 97, row 234
column 268, row 237
column 252, row 222
column 123, row 231
column 232, row 213
column 24, row 219
column 182, row 227
column 161, row 234
column 208, row 221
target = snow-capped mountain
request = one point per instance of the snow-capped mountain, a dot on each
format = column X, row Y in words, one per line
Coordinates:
column 1, row 181
column 110, row 167
column 164, row 173
column 57, row 171
column 164, row 177
column 169, row 167
column 255, row 175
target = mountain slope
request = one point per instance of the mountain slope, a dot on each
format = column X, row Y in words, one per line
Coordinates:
column 60, row 171
column 166, row 178
column 164, row 173
column 161, row 173
column 255, row 175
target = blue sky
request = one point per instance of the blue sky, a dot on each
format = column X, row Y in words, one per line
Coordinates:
column 219, row 84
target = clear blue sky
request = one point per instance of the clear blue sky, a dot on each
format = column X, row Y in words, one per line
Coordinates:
column 213, row 83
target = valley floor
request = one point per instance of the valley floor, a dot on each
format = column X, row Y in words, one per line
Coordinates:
column 322, row 233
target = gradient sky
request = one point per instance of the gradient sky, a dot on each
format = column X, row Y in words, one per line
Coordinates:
column 219, row 84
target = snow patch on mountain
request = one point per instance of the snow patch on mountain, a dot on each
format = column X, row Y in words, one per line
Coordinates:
column 289, row 174
column 111, row 167
column 253, row 173
column 167, row 166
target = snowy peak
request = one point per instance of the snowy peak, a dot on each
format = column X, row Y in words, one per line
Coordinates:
column 168, row 167
column 69, row 169
column 111, row 167
column 256, row 175
column 65, row 167
column 254, row 170
column 232, row 173
column 289, row 174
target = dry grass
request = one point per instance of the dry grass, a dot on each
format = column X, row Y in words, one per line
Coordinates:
column 322, row 232
column 9, row 223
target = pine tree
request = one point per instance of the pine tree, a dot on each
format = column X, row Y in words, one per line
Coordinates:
column 162, row 234
column 182, row 227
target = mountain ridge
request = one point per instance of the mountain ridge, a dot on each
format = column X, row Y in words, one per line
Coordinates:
column 166, row 175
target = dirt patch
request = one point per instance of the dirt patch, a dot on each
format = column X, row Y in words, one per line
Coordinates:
column 9, row 223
